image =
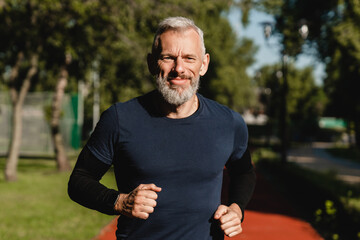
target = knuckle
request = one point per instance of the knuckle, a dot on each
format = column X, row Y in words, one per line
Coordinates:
column 136, row 209
column 143, row 215
column 139, row 199
column 155, row 196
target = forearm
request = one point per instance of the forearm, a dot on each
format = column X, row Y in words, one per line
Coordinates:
column 242, row 181
column 84, row 186
column 241, row 189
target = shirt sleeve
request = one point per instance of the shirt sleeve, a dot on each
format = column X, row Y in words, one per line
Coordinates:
column 240, row 137
column 242, row 181
column 102, row 142
column 84, row 186
column 240, row 168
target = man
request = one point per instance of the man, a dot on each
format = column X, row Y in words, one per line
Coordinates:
column 169, row 148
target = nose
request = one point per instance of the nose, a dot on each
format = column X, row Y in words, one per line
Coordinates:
column 179, row 65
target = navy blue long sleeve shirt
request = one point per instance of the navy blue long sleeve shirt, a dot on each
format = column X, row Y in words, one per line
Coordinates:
column 185, row 157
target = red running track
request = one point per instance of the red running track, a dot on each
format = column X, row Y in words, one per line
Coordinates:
column 270, row 217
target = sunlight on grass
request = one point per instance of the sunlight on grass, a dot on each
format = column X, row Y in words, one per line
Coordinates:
column 37, row 206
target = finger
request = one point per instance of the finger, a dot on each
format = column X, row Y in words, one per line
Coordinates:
column 147, row 194
column 222, row 210
column 150, row 186
column 142, row 209
column 233, row 234
column 228, row 217
column 141, row 215
column 143, row 201
column 230, row 224
column 233, row 231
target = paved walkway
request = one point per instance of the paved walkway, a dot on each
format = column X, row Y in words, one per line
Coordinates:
column 315, row 157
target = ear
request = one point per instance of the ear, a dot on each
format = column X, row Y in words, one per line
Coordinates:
column 205, row 64
column 152, row 64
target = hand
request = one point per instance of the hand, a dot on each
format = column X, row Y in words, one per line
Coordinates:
column 230, row 219
column 139, row 203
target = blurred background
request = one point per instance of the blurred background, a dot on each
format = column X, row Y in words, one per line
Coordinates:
column 290, row 67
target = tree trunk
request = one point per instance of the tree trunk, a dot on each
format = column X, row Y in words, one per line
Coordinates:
column 15, row 143
column 60, row 152
column 17, row 100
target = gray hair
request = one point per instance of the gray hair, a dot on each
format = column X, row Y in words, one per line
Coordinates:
column 177, row 24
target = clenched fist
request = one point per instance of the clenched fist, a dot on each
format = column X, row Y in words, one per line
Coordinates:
column 139, row 203
column 229, row 219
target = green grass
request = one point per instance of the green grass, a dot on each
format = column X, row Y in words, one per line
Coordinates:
column 37, row 205
column 350, row 153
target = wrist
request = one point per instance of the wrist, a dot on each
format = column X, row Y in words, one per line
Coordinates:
column 119, row 203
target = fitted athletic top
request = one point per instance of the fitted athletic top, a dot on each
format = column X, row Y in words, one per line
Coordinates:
column 185, row 157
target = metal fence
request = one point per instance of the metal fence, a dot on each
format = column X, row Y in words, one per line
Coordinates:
column 36, row 133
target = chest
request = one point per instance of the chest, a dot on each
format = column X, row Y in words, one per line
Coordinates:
column 177, row 150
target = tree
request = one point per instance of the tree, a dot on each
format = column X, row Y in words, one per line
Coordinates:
column 44, row 36
column 68, row 37
column 335, row 34
column 123, row 67
column 20, row 52
column 305, row 101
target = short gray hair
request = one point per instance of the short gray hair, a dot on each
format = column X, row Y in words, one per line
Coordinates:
column 177, row 24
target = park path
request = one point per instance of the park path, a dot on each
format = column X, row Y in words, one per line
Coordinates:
column 315, row 157
column 269, row 217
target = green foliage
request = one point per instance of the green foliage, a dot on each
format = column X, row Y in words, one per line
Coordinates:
column 264, row 154
column 37, row 205
column 118, row 35
column 305, row 101
column 326, row 216
column 335, row 33
column 321, row 198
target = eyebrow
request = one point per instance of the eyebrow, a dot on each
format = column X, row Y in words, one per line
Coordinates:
column 182, row 55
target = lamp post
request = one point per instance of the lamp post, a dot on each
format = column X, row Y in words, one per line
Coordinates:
column 283, row 74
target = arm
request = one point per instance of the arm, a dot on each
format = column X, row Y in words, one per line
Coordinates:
column 242, row 184
column 242, row 181
column 84, row 186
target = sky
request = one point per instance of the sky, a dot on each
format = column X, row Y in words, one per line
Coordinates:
column 268, row 52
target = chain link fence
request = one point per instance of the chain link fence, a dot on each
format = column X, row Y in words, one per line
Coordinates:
column 36, row 131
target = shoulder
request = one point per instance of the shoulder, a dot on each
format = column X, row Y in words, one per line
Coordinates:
column 124, row 109
column 221, row 111
column 132, row 111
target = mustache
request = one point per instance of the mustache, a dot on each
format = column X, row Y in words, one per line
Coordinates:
column 182, row 76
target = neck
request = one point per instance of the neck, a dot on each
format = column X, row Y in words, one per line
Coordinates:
column 182, row 111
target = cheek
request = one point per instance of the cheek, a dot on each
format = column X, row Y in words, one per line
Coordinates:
column 164, row 69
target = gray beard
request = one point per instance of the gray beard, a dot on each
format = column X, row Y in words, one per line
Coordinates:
column 172, row 96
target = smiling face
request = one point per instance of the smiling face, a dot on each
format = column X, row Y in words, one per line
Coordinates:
column 179, row 65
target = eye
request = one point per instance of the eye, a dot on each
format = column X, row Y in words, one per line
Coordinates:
column 167, row 58
column 190, row 59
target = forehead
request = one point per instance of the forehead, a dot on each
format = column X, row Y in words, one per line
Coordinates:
column 180, row 40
